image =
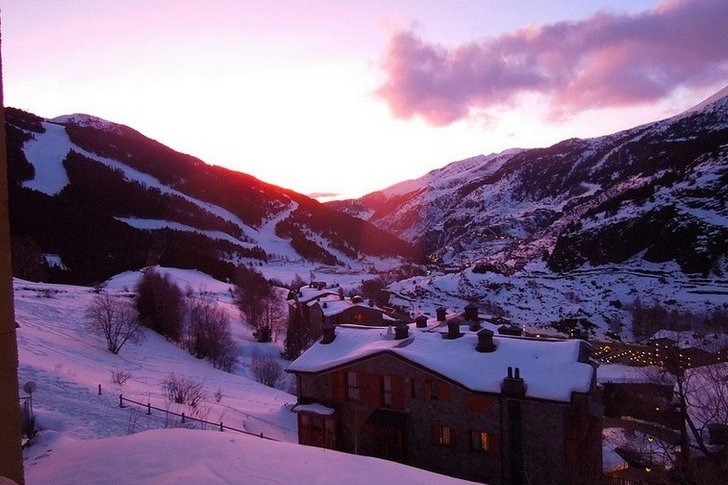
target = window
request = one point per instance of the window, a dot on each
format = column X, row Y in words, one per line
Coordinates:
column 479, row 441
column 387, row 391
column 443, row 435
column 434, row 394
column 352, row 386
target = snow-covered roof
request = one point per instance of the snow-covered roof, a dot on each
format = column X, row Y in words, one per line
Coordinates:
column 550, row 369
column 315, row 408
column 335, row 306
column 307, row 294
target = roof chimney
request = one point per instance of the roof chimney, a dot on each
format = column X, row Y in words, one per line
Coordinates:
column 328, row 334
column 441, row 314
column 513, row 385
column 453, row 329
column 401, row 331
column 485, row 341
column 471, row 311
column 421, row 321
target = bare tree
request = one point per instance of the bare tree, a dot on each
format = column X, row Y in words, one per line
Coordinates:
column 115, row 319
column 701, row 399
column 273, row 316
column 265, row 369
column 209, row 337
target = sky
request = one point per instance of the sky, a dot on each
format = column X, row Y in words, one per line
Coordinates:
column 342, row 98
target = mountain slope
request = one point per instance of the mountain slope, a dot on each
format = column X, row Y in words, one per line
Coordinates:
column 656, row 192
column 99, row 198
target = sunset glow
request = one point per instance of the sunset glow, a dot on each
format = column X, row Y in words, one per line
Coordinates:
column 338, row 97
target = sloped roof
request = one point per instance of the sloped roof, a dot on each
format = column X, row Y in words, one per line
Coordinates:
column 550, row 368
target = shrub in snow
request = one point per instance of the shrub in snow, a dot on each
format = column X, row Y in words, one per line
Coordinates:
column 160, row 304
column 209, row 337
column 265, row 369
column 120, row 376
column 115, row 319
column 183, row 390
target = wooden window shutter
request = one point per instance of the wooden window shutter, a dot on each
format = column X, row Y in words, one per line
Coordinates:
column 443, row 389
column 428, row 390
column 494, row 444
column 397, row 392
column 340, row 386
column 435, row 433
column 374, row 389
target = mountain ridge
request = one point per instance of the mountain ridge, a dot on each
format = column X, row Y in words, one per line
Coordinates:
column 82, row 183
column 535, row 199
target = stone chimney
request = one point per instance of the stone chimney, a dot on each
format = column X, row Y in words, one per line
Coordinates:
column 441, row 314
column 328, row 334
column 453, row 329
column 471, row 311
column 513, row 385
column 421, row 321
column 485, row 341
column 401, row 331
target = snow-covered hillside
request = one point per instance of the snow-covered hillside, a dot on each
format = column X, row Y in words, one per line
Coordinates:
column 78, row 177
column 86, row 438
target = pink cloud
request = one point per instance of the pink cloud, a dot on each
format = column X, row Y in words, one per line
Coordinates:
column 606, row 60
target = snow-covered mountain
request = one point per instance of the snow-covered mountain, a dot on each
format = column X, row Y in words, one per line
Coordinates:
column 97, row 198
column 653, row 193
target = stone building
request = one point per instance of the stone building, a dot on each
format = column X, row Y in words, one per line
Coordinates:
column 321, row 307
column 503, row 410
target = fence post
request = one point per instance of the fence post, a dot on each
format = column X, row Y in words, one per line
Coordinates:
column 99, row 389
column 261, row 435
column 121, row 404
column 149, row 409
column 183, row 417
column 220, row 425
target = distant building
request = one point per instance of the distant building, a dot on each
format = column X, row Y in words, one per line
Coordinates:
column 321, row 307
column 504, row 410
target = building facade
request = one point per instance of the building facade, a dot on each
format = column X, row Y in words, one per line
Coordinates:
column 390, row 398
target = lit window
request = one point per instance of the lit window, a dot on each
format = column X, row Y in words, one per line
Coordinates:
column 352, row 386
column 446, row 439
column 479, row 440
column 443, row 435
